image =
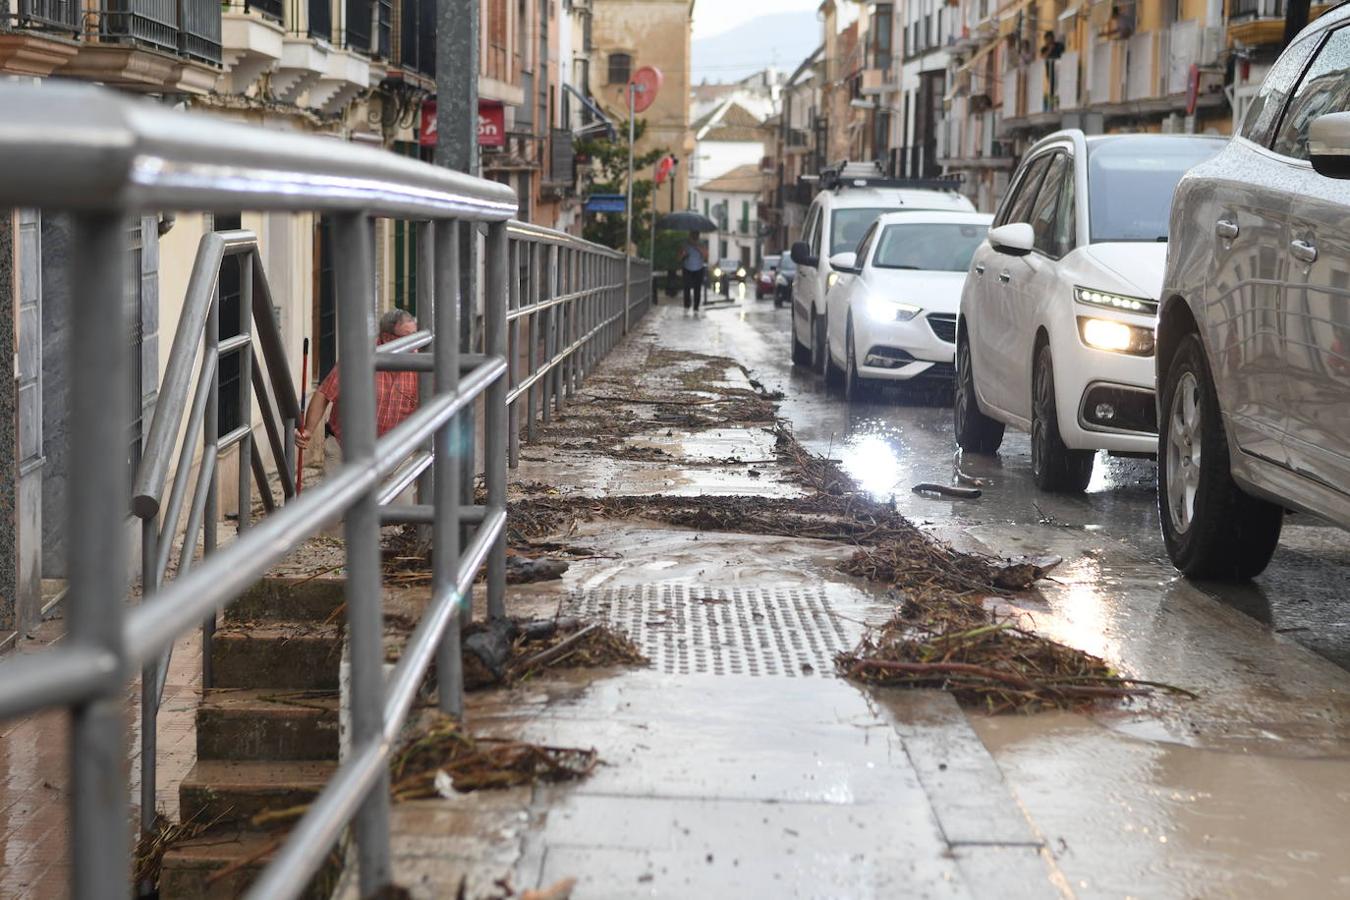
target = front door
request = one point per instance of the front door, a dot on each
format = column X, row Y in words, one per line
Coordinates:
column 1315, row 313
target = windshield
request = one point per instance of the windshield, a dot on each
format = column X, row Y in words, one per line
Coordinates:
column 945, row 247
column 847, row 227
column 1131, row 180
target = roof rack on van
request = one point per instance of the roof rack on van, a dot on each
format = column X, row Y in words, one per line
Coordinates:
column 845, row 174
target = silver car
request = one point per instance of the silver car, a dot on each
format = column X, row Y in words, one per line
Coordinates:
column 1253, row 347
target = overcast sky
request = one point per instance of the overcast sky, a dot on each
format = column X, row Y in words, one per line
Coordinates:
column 715, row 16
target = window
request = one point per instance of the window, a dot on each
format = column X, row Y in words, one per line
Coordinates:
column 942, row 247
column 620, row 68
column 865, row 245
column 1280, row 80
column 1066, row 217
column 847, row 227
column 1017, row 206
column 1130, row 182
column 1043, row 211
column 1325, row 88
column 812, row 230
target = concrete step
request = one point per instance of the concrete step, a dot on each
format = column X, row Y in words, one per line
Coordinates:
column 277, row 656
column 267, row 724
column 228, row 793
column 190, row 865
column 289, row 599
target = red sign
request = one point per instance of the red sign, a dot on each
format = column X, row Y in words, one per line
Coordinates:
column 491, row 124
column 1192, row 89
column 426, row 132
column 663, row 169
column 647, row 81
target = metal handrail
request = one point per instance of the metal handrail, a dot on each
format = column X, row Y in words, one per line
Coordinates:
column 100, row 156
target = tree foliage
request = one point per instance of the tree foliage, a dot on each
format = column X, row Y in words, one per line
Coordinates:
column 609, row 175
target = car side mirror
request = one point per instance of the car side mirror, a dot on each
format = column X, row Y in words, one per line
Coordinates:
column 1329, row 145
column 801, row 255
column 846, row 262
column 1014, row 239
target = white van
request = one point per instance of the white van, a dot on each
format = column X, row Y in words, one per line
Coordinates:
column 849, row 202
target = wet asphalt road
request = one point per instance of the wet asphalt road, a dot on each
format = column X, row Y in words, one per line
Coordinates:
column 902, row 439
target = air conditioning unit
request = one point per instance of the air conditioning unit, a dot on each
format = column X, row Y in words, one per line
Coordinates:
column 1213, row 43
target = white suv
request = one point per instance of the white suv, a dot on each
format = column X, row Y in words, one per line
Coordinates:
column 840, row 215
column 1056, row 329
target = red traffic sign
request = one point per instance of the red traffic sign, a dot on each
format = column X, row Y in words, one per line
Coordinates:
column 647, row 82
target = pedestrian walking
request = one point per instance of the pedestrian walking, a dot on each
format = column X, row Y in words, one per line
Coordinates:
column 694, row 263
column 395, row 397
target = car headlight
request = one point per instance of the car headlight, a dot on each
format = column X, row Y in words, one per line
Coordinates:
column 883, row 310
column 717, row 272
column 740, row 273
column 831, row 279
column 1107, row 299
column 1115, row 336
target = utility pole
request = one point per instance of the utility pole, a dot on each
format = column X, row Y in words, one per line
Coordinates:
column 457, row 28
column 628, row 240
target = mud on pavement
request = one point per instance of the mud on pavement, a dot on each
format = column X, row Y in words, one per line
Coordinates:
column 739, row 763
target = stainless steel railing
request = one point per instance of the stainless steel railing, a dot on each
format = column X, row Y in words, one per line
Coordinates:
column 91, row 153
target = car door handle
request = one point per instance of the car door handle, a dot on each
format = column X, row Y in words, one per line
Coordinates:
column 1226, row 229
column 1303, row 250
column 1004, row 277
column 979, row 269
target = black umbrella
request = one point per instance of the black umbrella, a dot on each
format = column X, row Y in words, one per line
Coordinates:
column 688, row 220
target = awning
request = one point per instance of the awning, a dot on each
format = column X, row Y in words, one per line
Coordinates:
column 977, row 56
column 591, row 107
column 1007, row 17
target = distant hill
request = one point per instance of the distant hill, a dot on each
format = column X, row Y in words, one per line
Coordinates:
column 781, row 40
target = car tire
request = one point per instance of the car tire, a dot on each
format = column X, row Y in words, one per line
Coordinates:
column 801, row 354
column 1211, row 527
column 820, row 354
column 1054, row 467
column 856, row 388
column 975, row 431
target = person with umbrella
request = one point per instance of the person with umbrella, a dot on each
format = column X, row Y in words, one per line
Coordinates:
column 694, row 262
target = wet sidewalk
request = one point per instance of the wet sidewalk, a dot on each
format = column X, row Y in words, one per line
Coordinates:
column 737, row 764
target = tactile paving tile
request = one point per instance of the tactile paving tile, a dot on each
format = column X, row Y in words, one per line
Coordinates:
column 721, row 631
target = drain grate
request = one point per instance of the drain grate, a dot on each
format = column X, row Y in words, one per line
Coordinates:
column 722, row 631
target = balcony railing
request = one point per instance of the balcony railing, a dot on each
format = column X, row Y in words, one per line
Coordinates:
column 152, row 23
column 63, row 15
column 199, row 37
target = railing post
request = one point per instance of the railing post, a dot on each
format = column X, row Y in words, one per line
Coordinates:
column 494, row 416
column 532, row 340
column 149, row 682
column 365, row 621
column 426, row 313
column 99, row 500
column 211, row 446
column 446, row 481
column 513, row 352
column 245, row 500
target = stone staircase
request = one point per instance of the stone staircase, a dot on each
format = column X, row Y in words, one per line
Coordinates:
column 267, row 734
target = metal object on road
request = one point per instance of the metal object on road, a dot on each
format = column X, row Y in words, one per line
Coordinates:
column 101, row 156
column 947, row 490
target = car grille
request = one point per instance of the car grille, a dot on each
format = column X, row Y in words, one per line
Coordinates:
column 944, row 326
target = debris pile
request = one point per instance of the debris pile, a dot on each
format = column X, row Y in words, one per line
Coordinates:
column 442, row 757
column 508, row 651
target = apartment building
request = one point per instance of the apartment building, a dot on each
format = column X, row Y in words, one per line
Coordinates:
column 628, row 35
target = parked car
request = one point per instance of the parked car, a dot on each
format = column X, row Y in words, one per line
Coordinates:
column 724, row 272
column 850, row 200
column 782, row 281
column 764, row 276
column 1055, row 335
column 1253, row 355
column 892, row 312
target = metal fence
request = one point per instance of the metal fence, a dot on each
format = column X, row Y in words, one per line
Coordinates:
column 62, row 15
column 551, row 306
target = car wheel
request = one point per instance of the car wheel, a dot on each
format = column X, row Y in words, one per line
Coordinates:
column 819, row 352
column 1054, row 467
column 801, row 354
column 856, row 388
column 1211, row 527
column 975, row 431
